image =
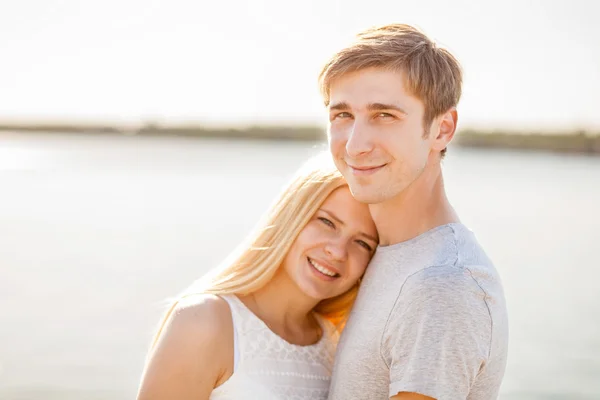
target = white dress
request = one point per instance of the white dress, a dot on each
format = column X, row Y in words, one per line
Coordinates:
column 267, row 367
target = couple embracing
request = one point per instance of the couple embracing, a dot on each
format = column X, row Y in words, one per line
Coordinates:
column 360, row 282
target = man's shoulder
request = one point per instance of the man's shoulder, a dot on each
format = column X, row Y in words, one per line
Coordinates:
column 439, row 278
column 452, row 284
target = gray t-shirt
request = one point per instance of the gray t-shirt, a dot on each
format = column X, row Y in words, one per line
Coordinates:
column 430, row 318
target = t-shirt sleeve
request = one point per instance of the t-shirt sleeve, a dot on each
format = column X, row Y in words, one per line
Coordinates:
column 438, row 334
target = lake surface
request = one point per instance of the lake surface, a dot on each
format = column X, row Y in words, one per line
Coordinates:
column 97, row 231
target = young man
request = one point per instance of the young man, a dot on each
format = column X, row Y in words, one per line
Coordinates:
column 430, row 319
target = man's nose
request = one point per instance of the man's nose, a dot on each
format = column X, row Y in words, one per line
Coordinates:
column 359, row 140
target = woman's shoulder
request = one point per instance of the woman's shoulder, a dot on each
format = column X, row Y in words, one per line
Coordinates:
column 202, row 316
column 193, row 351
column 198, row 324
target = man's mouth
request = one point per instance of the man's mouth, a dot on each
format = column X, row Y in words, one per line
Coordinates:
column 363, row 170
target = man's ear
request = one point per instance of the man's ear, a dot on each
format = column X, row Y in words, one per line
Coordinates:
column 446, row 128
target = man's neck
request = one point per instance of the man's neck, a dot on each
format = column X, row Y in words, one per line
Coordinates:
column 419, row 208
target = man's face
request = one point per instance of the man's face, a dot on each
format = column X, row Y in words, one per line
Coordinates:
column 376, row 133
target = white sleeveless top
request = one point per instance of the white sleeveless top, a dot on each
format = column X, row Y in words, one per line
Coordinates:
column 267, row 367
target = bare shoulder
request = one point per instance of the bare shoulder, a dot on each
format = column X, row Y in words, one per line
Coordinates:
column 197, row 319
column 204, row 314
column 201, row 325
column 194, row 352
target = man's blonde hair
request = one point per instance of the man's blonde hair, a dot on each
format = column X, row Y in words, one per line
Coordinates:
column 433, row 75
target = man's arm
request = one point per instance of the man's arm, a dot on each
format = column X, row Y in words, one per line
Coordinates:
column 410, row 396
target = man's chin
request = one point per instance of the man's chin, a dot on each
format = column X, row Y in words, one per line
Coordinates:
column 366, row 194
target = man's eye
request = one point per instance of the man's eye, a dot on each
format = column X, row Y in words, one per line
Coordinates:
column 385, row 115
column 342, row 115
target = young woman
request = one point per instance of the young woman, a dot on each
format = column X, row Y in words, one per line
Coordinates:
column 265, row 324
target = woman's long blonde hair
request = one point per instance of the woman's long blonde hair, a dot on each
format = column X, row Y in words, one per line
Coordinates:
column 257, row 260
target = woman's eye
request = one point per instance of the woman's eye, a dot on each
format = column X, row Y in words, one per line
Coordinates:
column 326, row 222
column 364, row 244
column 385, row 115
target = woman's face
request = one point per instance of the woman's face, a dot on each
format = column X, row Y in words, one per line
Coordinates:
column 333, row 250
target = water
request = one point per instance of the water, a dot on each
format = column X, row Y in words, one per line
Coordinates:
column 96, row 231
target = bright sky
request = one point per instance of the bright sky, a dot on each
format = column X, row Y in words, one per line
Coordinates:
column 528, row 64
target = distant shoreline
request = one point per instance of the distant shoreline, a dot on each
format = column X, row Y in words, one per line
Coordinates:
column 563, row 142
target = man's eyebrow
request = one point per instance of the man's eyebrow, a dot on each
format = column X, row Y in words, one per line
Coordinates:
column 339, row 106
column 382, row 106
column 342, row 105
